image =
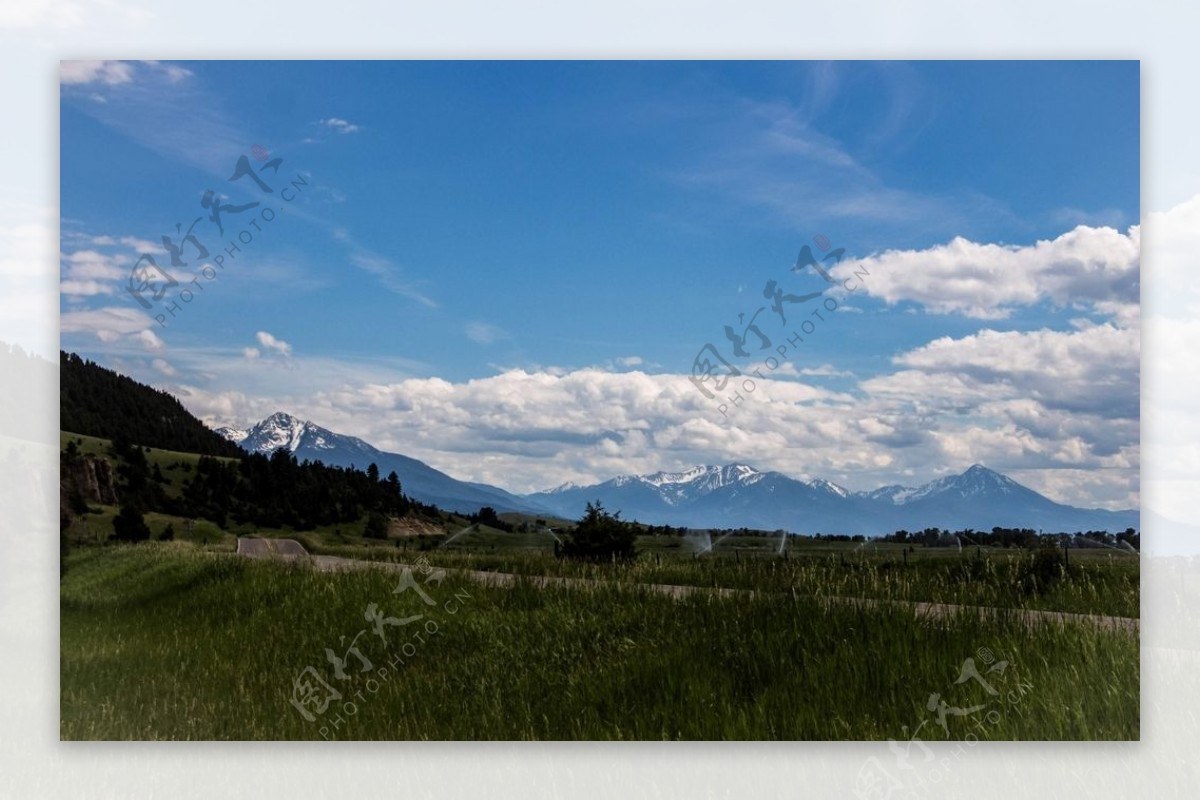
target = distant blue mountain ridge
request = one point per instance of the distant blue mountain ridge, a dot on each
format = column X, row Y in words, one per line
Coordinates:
column 708, row 496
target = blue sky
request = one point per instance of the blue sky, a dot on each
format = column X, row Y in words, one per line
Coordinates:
column 507, row 269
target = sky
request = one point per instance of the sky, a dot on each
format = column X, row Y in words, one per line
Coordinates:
column 514, row 270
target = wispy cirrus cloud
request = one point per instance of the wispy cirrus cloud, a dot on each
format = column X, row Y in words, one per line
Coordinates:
column 772, row 155
column 383, row 268
column 144, row 101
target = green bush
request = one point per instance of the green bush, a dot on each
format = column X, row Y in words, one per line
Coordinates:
column 130, row 526
column 600, row 536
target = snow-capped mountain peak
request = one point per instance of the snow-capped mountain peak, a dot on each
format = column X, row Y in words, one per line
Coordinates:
column 280, row 430
column 306, row 440
column 829, row 486
column 707, row 475
column 695, row 482
column 737, row 495
column 975, row 480
column 681, row 486
column 234, row 435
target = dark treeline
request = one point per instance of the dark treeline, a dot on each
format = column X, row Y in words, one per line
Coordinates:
column 268, row 491
column 1015, row 538
column 936, row 537
column 487, row 516
column 98, row 402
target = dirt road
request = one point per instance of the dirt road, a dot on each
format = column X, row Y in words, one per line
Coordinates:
column 290, row 549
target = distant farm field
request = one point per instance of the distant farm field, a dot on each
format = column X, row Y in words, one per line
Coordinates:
column 173, row 641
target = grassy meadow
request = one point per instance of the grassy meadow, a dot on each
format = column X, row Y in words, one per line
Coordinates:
column 184, row 639
column 172, row 641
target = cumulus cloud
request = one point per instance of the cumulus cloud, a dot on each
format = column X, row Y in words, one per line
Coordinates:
column 271, row 343
column 1099, row 267
column 1096, row 369
column 528, row 430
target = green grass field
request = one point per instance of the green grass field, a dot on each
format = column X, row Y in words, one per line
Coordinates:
column 1097, row 583
column 186, row 640
column 174, row 641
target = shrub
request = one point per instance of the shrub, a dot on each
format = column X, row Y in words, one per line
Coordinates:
column 1043, row 571
column 130, row 526
column 600, row 536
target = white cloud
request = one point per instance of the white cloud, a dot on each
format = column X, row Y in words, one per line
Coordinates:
column 529, row 430
column 114, row 73
column 251, row 353
column 772, row 155
column 149, row 340
column 1099, row 267
column 164, row 367
column 172, row 72
column 108, row 319
column 93, row 265
column 78, row 289
column 87, row 273
column 270, row 342
column 630, row 361
column 380, row 267
column 141, row 245
column 1096, row 369
column 340, row 125
column 86, row 72
column 821, row 371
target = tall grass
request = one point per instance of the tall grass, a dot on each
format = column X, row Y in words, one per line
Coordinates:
column 164, row 641
column 1095, row 584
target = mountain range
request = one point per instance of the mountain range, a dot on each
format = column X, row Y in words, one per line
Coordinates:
column 737, row 495
column 420, row 481
column 707, row 496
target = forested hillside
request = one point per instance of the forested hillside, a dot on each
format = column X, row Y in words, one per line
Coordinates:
column 101, row 403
